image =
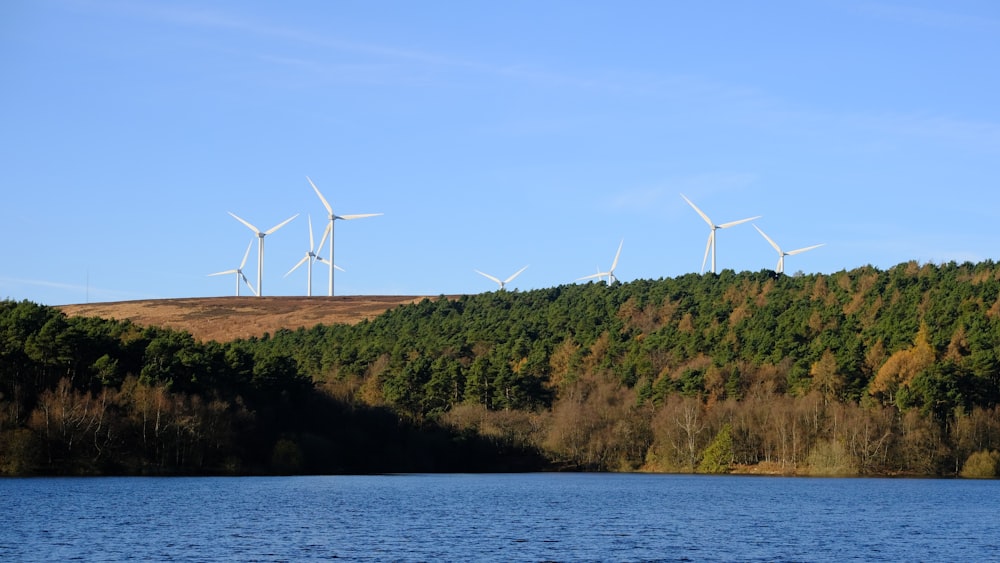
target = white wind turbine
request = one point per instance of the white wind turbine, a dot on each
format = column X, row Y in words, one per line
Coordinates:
column 502, row 283
column 239, row 272
column 781, row 253
column 260, row 246
column 611, row 271
column 711, row 236
column 329, row 227
column 311, row 257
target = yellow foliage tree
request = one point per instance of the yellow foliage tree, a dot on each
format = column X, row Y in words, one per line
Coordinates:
column 560, row 363
column 825, row 377
column 901, row 367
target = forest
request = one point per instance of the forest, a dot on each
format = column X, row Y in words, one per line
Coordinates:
column 856, row 373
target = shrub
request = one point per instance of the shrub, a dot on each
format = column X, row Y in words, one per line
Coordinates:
column 829, row 458
column 981, row 465
column 718, row 456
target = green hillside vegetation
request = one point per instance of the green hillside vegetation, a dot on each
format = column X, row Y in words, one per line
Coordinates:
column 861, row 372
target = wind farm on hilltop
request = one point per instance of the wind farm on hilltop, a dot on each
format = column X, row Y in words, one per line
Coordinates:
column 253, row 315
column 313, row 255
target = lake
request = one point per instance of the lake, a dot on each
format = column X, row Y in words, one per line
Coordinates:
column 499, row 517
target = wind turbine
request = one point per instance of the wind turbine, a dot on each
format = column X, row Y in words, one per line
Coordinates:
column 239, row 272
column 329, row 227
column 311, row 257
column 711, row 236
column 502, row 283
column 260, row 246
column 781, row 253
column 611, row 271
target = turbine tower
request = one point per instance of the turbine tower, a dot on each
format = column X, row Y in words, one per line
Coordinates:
column 611, row 271
column 239, row 272
column 711, row 235
column 781, row 254
column 502, row 283
column 260, row 246
column 329, row 227
column 311, row 257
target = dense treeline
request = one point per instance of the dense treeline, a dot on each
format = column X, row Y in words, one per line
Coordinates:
column 857, row 372
column 93, row 396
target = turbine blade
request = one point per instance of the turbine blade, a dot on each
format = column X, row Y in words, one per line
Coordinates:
column 734, row 223
column 488, row 276
column 598, row 275
column 797, row 251
column 326, row 233
column 241, row 220
column 700, row 212
column 226, row 272
column 617, row 254
column 711, row 239
column 279, row 225
column 300, row 262
column 326, row 204
column 325, row 261
column 246, row 255
column 517, row 273
column 246, row 281
column 359, row 215
column 312, row 246
column 774, row 244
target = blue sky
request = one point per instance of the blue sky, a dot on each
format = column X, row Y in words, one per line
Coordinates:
column 492, row 135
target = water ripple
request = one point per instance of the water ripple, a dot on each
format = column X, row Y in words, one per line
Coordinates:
column 533, row 517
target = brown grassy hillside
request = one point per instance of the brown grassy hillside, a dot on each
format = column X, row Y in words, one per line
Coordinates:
column 229, row 318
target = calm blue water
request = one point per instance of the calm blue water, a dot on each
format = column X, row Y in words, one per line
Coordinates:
column 533, row 517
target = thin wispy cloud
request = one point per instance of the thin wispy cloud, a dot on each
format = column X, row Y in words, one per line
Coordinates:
column 655, row 199
column 356, row 73
column 76, row 292
column 600, row 80
column 216, row 19
column 930, row 17
column 639, row 199
column 753, row 102
column 981, row 135
column 44, row 283
column 711, row 184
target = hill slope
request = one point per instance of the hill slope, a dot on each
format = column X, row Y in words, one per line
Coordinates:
column 229, row 318
column 861, row 372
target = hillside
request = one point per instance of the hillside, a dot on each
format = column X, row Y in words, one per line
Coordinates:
column 228, row 318
column 861, row 372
